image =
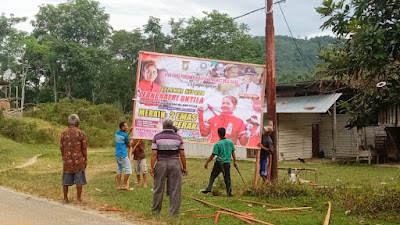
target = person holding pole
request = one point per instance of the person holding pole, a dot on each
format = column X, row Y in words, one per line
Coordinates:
column 225, row 150
column 267, row 147
column 121, row 156
column 139, row 161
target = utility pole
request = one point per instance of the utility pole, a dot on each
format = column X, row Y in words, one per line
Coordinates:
column 271, row 81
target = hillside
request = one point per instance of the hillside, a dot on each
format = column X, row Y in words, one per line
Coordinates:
column 289, row 64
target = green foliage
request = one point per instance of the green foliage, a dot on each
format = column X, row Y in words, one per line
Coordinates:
column 374, row 200
column 377, row 201
column 369, row 52
column 98, row 121
column 79, row 21
column 20, row 131
column 73, row 52
column 279, row 189
column 216, row 35
column 290, row 66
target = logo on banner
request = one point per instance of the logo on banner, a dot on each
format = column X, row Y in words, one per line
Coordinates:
column 185, row 65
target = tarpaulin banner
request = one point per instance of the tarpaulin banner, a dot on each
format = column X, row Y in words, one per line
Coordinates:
column 199, row 95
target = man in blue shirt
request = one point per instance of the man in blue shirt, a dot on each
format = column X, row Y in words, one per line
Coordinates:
column 121, row 156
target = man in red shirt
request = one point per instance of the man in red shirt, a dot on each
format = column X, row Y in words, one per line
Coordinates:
column 235, row 128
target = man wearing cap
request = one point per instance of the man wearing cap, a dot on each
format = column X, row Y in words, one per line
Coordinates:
column 267, row 147
column 249, row 87
column 147, row 83
column 252, row 131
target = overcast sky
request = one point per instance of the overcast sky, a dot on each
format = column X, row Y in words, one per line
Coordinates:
column 304, row 21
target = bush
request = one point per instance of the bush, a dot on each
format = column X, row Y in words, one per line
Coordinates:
column 98, row 121
column 279, row 189
column 21, row 131
column 379, row 202
column 372, row 200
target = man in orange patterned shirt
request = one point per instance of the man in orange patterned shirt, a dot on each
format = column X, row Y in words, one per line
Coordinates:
column 73, row 145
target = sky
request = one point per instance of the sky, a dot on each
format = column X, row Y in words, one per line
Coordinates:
column 303, row 20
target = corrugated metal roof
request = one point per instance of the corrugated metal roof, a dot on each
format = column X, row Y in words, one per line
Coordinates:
column 305, row 104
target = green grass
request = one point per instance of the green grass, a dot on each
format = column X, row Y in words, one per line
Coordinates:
column 44, row 179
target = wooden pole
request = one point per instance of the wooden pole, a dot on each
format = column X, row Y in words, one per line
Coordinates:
column 237, row 216
column 288, row 209
column 334, row 135
column 217, row 217
column 328, row 214
column 271, row 81
column 269, row 167
column 257, row 168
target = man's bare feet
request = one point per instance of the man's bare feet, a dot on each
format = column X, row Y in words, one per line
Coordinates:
column 145, row 185
column 65, row 201
column 81, row 202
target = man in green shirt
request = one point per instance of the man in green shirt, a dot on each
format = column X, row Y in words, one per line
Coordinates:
column 224, row 149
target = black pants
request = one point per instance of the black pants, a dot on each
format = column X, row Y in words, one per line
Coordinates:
column 217, row 169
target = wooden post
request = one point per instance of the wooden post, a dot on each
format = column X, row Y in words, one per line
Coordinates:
column 271, row 81
column 269, row 168
column 257, row 168
column 16, row 97
column 334, row 135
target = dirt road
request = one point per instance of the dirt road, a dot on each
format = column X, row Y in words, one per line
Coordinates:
column 21, row 209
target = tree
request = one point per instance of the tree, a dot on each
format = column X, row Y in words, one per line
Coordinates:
column 126, row 45
column 156, row 40
column 77, row 32
column 216, row 35
column 79, row 21
column 369, row 52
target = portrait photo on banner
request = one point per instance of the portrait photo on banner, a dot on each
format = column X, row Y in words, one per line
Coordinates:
column 200, row 95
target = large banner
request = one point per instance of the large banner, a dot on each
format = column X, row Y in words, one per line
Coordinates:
column 200, row 95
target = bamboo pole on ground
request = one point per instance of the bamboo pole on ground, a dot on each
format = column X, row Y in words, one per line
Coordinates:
column 217, row 217
column 238, row 217
column 288, row 209
column 328, row 214
column 244, row 215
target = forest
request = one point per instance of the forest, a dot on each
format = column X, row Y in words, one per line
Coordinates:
column 73, row 52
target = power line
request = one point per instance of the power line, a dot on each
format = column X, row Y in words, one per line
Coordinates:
column 256, row 10
column 248, row 13
column 294, row 41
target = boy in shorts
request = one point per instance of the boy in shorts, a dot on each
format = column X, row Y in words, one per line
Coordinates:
column 139, row 161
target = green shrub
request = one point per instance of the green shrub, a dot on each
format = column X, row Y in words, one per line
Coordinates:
column 98, row 121
column 372, row 200
column 381, row 201
column 21, row 131
column 279, row 189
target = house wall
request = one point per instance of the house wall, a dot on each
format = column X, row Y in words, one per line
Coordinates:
column 295, row 138
column 5, row 104
column 295, row 135
column 346, row 139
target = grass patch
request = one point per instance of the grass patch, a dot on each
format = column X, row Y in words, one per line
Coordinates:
column 98, row 121
column 44, row 179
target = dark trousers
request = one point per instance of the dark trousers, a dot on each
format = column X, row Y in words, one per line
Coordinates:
column 217, row 169
column 167, row 171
